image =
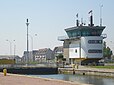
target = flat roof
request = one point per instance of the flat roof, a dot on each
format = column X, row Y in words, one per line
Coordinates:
column 84, row 27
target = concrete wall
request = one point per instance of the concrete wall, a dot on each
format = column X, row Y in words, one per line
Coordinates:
column 95, row 46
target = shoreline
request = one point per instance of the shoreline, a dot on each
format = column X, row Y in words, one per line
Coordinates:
column 16, row 79
column 88, row 71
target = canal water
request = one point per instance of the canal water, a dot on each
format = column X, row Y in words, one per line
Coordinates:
column 95, row 80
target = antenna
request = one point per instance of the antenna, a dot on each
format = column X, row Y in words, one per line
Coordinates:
column 101, row 6
column 77, row 21
column 27, row 20
column 91, row 19
column 82, row 21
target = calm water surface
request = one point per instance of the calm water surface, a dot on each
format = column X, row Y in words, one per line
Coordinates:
column 95, row 80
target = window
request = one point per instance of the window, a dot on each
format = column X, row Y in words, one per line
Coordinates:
column 94, row 51
column 95, row 41
column 75, row 50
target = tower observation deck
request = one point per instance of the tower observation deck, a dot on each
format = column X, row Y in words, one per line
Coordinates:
column 84, row 43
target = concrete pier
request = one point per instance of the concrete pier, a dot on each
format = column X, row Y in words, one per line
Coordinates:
column 88, row 71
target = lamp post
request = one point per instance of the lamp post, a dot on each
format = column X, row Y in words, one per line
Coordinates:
column 32, row 45
column 10, row 47
column 14, row 48
column 31, row 41
column 27, row 42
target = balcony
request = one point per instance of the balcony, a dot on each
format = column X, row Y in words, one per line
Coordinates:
column 62, row 38
column 104, row 36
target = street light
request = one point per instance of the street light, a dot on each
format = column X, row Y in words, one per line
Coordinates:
column 32, row 46
column 27, row 41
column 10, row 47
column 31, row 41
column 14, row 48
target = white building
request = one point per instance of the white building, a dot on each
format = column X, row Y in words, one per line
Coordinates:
column 58, row 50
column 84, row 43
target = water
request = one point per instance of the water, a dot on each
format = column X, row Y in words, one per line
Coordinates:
column 95, row 80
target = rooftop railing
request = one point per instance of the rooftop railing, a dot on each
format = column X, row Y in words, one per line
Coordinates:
column 104, row 36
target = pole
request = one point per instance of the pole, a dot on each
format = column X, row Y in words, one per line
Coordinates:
column 101, row 15
column 31, row 41
column 80, row 47
column 14, row 48
column 27, row 43
column 32, row 45
column 10, row 47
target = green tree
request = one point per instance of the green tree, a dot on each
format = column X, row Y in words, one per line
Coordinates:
column 107, row 52
column 59, row 57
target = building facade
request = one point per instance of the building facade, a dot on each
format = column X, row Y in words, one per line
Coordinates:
column 57, row 51
column 43, row 54
column 10, row 59
column 84, row 44
column 29, row 58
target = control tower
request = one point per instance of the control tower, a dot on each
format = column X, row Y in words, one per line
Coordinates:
column 84, row 44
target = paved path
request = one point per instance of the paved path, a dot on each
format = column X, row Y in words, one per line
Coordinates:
column 91, row 69
column 96, row 69
column 12, row 79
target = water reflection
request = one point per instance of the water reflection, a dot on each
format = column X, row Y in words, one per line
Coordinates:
column 95, row 80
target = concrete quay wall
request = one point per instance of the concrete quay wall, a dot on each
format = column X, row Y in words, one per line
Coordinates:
column 87, row 71
column 32, row 70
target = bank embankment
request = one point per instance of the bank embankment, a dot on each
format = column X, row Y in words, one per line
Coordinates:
column 88, row 71
column 32, row 70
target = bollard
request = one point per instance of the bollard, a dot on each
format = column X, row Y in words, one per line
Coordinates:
column 5, row 72
column 83, row 73
column 77, row 66
column 73, row 71
column 73, row 65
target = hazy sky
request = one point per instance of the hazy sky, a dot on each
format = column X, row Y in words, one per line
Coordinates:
column 48, row 19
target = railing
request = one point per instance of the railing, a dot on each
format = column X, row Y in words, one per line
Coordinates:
column 104, row 36
column 62, row 38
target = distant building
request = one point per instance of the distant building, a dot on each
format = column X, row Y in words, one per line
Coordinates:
column 35, row 54
column 58, row 50
column 9, row 58
column 18, row 59
column 28, row 58
column 43, row 54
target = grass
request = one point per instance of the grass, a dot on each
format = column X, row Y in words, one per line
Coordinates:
column 107, row 67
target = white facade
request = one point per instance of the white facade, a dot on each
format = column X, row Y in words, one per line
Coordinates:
column 92, row 46
column 86, row 47
column 74, row 49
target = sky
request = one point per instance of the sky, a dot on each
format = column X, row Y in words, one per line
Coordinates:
column 48, row 19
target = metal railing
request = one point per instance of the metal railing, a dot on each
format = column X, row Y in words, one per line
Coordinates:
column 104, row 36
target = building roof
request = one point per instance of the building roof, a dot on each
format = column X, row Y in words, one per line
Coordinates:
column 44, row 50
column 7, row 56
column 59, row 48
column 84, row 27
